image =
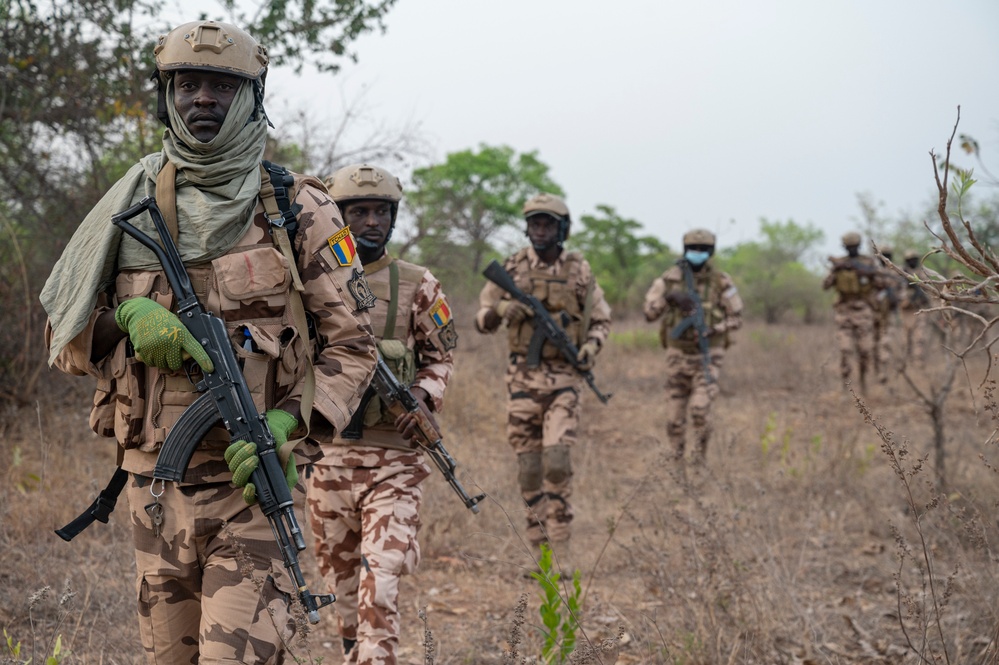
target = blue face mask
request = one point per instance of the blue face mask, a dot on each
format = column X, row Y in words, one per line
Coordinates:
column 696, row 258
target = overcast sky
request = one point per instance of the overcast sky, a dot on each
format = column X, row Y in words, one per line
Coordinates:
column 683, row 114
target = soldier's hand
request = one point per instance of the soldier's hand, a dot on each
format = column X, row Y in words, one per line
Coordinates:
column 513, row 311
column 680, row 300
column 408, row 424
column 158, row 336
column 242, row 458
column 587, row 355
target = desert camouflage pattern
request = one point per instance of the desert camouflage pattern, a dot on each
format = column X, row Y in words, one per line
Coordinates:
column 687, row 390
column 209, row 583
column 855, row 313
column 888, row 332
column 543, row 402
column 916, row 327
column 365, row 520
column 364, row 495
column 433, row 340
column 249, row 288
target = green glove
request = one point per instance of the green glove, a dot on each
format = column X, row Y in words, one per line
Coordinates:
column 158, row 336
column 242, row 458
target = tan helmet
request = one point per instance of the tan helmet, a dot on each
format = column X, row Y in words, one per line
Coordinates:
column 549, row 204
column 698, row 237
column 363, row 181
column 214, row 46
column 910, row 254
column 851, row 239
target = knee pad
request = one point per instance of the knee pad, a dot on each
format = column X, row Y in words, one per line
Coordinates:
column 529, row 471
column 558, row 467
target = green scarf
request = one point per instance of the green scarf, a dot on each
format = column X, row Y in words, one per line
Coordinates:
column 217, row 183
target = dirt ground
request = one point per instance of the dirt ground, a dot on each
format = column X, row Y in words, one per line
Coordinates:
column 798, row 542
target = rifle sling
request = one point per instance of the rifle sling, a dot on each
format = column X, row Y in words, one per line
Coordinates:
column 100, row 510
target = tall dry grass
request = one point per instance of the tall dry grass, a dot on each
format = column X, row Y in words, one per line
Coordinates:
column 797, row 543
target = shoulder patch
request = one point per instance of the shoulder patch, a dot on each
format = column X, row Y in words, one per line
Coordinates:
column 342, row 244
column 359, row 289
column 440, row 313
column 729, row 292
column 448, row 336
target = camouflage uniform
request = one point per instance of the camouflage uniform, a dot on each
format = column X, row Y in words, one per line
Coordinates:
column 543, row 405
column 887, row 323
column 364, row 495
column 196, row 600
column 686, row 383
column 854, row 312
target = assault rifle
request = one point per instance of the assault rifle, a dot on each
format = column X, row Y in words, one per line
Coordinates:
column 225, row 397
column 695, row 320
column 397, row 398
column 545, row 327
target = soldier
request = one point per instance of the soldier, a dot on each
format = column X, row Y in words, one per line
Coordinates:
column 886, row 319
column 206, row 592
column 543, row 399
column 857, row 280
column 693, row 357
column 915, row 325
column 365, row 494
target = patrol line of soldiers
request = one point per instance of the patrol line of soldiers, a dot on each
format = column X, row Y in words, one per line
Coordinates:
column 298, row 271
column 879, row 327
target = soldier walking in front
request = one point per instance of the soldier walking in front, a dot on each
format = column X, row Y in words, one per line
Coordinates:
column 700, row 308
column 364, row 496
column 543, row 405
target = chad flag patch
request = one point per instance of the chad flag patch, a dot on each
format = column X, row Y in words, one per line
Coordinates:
column 342, row 244
column 440, row 313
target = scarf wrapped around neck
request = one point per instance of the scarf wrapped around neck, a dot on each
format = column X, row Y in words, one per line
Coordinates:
column 216, row 187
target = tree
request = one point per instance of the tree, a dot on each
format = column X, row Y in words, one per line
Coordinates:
column 470, row 198
column 771, row 274
column 621, row 260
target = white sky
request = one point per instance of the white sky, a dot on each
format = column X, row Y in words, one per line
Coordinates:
column 683, row 114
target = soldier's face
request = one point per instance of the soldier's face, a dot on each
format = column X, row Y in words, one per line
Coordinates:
column 369, row 219
column 203, row 99
column 542, row 230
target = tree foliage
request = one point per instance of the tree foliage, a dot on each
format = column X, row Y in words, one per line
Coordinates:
column 470, row 198
column 623, row 261
column 771, row 274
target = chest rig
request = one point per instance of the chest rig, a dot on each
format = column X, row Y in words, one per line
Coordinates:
column 557, row 292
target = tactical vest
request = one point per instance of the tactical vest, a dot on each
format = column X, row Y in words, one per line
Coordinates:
column 851, row 285
column 709, row 290
column 394, row 285
column 558, row 294
column 250, row 288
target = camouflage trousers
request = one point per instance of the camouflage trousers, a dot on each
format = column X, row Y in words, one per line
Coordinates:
column 887, row 339
column 365, row 522
column 542, row 419
column 854, row 336
column 689, row 391
column 211, row 585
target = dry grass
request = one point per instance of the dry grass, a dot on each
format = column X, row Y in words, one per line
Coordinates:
column 785, row 549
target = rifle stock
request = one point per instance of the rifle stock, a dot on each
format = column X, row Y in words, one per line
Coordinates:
column 396, row 397
column 227, row 398
column 546, row 328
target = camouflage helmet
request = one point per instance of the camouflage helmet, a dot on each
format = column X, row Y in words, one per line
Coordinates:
column 910, row 253
column 549, row 204
column 851, row 239
column 698, row 237
column 212, row 46
column 363, row 181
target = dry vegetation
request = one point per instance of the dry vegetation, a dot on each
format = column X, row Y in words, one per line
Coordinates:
column 797, row 544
